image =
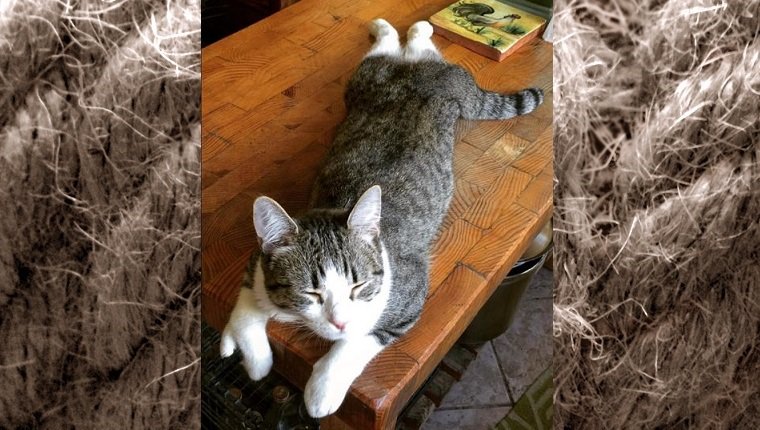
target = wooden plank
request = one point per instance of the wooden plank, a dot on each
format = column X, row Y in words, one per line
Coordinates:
column 272, row 29
column 529, row 66
column 533, row 125
column 228, row 186
column 504, row 237
column 465, row 194
column 483, row 172
column 237, row 213
column 487, row 132
column 220, row 294
column 507, row 149
column 208, row 177
column 265, row 129
column 465, row 155
column 488, row 207
column 451, row 246
column 538, row 156
column 458, row 54
column 213, row 145
column 344, row 29
column 537, row 195
column 226, row 113
column 220, row 254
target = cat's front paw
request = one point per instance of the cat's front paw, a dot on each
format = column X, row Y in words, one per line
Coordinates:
column 252, row 341
column 324, row 396
column 258, row 366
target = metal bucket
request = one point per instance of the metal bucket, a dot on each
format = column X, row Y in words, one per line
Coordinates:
column 496, row 315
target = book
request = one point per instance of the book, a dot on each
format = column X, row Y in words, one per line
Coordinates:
column 488, row 27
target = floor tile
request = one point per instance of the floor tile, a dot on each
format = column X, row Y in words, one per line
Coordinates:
column 465, row 419
column 525, row 350
column 481, row 385
column 542, row 285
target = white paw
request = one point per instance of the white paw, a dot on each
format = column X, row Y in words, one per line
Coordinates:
column 381, row 28
column 322, row 395
column 258, row 366
column 420, row 29
column 252, row 341
column 227, row 345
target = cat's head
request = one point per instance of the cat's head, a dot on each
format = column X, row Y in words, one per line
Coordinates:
column 325, row 268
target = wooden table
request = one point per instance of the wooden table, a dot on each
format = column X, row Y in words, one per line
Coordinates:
column 272, row 97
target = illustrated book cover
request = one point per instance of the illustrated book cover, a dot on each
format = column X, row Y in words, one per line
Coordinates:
column 488, row 27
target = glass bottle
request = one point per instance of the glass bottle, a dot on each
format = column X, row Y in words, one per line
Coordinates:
column 288, row 412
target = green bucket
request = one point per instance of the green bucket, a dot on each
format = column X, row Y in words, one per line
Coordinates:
column 495, row 317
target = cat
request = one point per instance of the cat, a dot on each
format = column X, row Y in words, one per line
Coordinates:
column 354, row 267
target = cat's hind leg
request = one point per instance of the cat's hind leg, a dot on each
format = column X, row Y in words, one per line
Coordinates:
column 419, row 45
column 386, row 39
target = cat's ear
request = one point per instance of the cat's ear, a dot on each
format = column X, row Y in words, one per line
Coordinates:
column 273, row 226
column 365, row 216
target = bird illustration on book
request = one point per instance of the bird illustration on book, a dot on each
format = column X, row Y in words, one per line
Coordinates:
column 476, row 14
column 464, row 9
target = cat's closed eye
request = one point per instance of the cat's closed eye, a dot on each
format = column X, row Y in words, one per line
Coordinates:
column 357, row 288
column 316, row 296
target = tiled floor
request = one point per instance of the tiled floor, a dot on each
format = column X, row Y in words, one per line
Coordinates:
column 505, row 367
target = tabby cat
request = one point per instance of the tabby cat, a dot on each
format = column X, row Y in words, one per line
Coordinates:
column 354, row 267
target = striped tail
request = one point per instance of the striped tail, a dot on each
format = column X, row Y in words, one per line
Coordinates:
column 490, row 105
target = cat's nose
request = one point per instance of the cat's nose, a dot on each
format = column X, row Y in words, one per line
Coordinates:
column 340, row 325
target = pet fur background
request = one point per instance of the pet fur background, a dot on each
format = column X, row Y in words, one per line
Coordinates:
column 657, row 306
column 99, row 224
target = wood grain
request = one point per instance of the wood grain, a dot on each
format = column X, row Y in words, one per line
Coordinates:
column 272, row 98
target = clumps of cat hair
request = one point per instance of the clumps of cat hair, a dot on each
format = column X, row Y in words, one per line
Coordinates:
column 99, row 191
column 657, row 300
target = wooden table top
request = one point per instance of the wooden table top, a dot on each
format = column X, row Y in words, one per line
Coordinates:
column 272, row 98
